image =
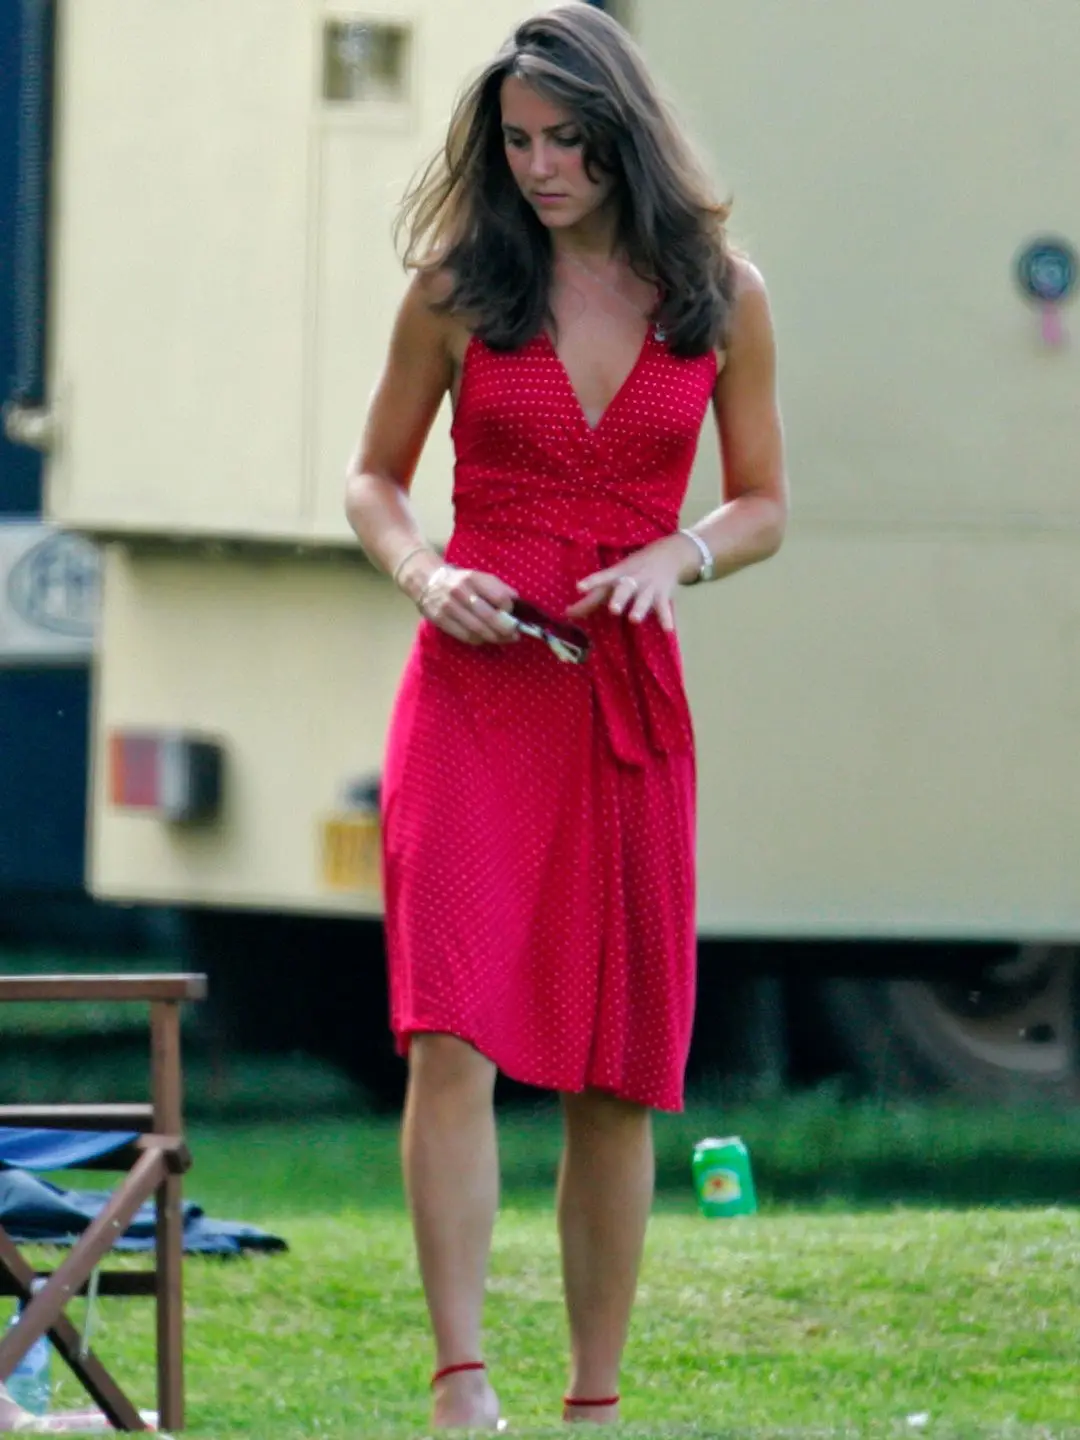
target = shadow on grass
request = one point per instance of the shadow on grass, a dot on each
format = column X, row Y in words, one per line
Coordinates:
column 988, row 1181
column 818, row 1150
column 312, row 1127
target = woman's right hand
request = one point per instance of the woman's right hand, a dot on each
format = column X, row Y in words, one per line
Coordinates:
column 470, row 605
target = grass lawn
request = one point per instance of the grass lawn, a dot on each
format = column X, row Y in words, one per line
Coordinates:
column 837, row 1311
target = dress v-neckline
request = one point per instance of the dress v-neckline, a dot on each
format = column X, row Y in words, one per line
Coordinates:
column 619, row 393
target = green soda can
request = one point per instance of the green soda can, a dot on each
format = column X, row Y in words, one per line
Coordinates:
column 723, row 1179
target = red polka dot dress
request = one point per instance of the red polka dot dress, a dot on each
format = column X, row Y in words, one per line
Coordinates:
column 538, row 817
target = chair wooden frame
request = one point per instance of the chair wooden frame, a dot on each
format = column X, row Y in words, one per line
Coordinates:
column 155, row 1164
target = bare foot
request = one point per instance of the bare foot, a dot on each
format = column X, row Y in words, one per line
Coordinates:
column 465, row 1401
column 11, row 1415
column 591, row 1414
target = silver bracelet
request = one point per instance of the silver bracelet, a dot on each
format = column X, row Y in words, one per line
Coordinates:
column 416, row 550
column 708, row 560
column 436, row 574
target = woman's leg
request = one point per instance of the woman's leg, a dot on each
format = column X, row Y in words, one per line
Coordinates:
column 605, row 1193
column 451, row 1177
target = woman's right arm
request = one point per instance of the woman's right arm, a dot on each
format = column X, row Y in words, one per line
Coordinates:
column 418, row 373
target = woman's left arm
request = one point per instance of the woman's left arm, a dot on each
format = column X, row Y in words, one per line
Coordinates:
column 749, row 524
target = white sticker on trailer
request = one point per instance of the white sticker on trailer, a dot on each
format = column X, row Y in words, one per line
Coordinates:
column 49, row 595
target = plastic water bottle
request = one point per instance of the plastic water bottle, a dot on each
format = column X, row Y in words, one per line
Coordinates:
column 30, row 1385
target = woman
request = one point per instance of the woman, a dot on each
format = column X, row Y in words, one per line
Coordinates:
column 574, row 293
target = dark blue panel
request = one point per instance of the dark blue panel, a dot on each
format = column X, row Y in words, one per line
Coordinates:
column 26, row 1149
column 43, row 715
column 20, row 470
column 43, row 770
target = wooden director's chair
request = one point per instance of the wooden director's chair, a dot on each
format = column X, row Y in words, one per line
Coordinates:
column 154, row 1162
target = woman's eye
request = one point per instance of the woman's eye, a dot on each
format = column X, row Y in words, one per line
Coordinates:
column 517, row 142
column 569, row 142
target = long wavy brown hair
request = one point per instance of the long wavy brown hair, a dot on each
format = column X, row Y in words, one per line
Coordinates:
column 465, row 215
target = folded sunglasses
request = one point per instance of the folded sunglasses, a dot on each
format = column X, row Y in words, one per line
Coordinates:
column 566, row 642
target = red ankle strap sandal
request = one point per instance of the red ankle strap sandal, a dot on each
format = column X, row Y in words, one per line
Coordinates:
column 591, row 1404
column 456, row 1370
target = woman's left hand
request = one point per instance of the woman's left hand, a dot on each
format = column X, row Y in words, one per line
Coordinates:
column 642, row 584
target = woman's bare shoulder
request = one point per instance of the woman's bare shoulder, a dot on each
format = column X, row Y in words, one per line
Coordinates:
column 428, row 293
column 748, row 278
column 750, row 320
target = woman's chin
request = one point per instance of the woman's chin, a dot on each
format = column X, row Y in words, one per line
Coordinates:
column 555, row 219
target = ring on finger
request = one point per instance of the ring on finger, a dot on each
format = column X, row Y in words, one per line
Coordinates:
column 474, row 599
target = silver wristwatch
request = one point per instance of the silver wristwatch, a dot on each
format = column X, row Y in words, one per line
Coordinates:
column 708, row 560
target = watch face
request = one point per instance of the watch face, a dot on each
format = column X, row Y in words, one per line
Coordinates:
column 1046, row 270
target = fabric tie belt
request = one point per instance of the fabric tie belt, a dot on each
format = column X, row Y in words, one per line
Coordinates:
column 638, row 682
column 635, row 670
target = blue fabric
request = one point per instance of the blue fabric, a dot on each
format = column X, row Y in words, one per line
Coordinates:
column 57, row 1149
column 34, row 1212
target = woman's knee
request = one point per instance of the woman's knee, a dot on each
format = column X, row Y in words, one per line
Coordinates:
column 599, row 1111
column 443, row 1063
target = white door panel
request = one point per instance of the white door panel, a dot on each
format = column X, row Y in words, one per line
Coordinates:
column 181, row 201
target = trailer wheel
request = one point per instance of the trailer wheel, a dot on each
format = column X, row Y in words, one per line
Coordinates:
column 1010, row 1031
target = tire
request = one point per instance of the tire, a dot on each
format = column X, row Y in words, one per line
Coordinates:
column 1007, row 1032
